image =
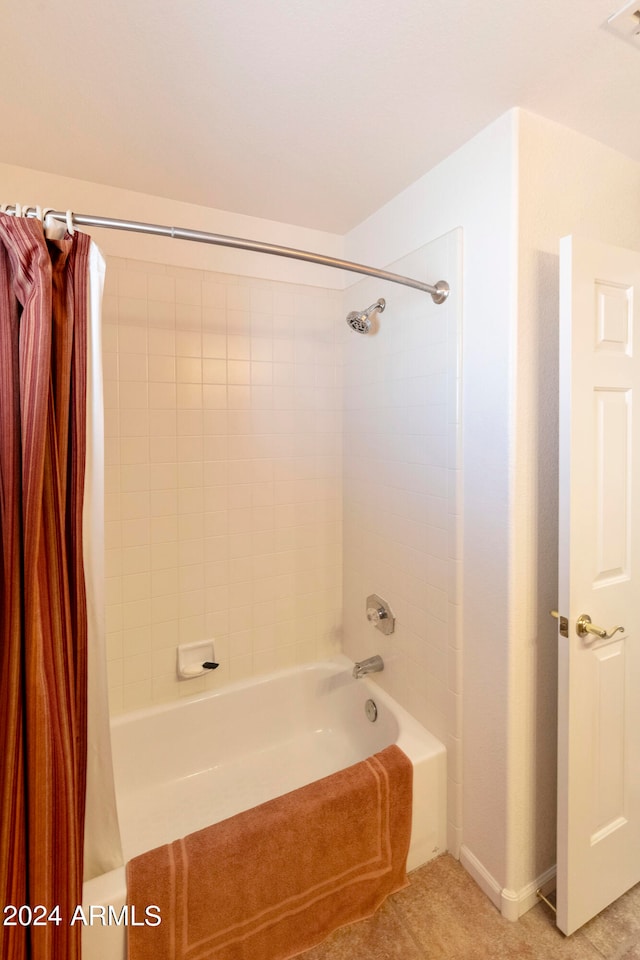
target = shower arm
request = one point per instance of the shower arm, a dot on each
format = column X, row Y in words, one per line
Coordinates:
column 438, row 292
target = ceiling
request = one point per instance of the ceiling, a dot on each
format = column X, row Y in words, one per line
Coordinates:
column 311, row 112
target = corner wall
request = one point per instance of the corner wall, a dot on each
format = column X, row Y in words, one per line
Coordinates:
column 568, row 184
column 515, row 189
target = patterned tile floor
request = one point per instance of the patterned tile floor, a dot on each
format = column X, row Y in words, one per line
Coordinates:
column 443, row 915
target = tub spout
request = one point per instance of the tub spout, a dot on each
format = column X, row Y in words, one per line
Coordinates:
column 370, row 665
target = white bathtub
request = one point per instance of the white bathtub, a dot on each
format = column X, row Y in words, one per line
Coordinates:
column 182, row 766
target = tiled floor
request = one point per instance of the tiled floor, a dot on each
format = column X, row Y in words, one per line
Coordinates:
column 443, row 915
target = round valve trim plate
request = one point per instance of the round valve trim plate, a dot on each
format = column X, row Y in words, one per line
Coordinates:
column 371, row 710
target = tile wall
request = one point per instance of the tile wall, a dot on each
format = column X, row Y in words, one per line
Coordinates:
column 228, row 477
column 223, row 475
column 402, row 503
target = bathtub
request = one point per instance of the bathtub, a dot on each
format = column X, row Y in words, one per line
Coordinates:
column 182, row 766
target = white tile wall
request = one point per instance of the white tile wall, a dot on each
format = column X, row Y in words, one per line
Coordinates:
column 223, row 475
column 402, row 500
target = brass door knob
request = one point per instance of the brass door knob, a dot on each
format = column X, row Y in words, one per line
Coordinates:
column 585, row 628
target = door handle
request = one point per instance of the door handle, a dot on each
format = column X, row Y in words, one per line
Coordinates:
column 585, row 628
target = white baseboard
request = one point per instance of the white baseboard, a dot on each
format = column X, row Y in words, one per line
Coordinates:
column 516, row 902
column 511, row 903
column 481, row 876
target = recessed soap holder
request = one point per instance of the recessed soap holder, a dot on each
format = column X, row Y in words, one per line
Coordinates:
column 195, row 659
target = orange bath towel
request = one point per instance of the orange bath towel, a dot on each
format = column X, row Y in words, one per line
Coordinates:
column 277, row 879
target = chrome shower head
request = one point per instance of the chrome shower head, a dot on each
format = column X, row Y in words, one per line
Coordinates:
column 360, row 321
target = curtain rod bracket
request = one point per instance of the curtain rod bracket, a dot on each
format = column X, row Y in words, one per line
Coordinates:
column 441, row 292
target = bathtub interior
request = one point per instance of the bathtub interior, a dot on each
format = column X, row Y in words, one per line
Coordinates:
column 181, row 767
column 198, row 762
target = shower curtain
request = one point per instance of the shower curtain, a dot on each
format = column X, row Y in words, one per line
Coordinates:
column 43, row 602
column 102, row 847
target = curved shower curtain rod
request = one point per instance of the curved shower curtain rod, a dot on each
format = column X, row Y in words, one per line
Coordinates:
column 439, row 291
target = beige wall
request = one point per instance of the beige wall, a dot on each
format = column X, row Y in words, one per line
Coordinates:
column 25, row 186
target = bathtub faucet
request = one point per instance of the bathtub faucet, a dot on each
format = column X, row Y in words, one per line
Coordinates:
column 370, row 665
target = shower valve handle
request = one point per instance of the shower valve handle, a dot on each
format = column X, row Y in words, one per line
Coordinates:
column 376, row 614
column 379, row 614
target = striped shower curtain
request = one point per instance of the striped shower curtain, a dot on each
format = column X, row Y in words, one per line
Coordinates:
column 43, row 620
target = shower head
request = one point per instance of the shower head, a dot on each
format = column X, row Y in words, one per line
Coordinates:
column 359, row 321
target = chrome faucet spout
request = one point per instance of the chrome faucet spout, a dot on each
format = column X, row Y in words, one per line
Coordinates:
column 370, row 665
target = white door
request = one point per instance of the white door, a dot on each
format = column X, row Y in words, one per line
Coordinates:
column 599, row 575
